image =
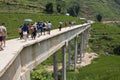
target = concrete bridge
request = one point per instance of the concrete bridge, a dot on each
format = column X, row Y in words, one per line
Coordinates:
column 19, row 57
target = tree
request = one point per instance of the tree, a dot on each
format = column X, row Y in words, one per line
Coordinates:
column 58, row 8
column 117, row 1
column 61, row 6
column 117, row 50
column 74, row 9
column 49, row 8
column 99, row 18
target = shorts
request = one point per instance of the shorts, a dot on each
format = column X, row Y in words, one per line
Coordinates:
column 1, row 38
column 25, row 33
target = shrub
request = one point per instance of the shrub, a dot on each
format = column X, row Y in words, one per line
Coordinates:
column 41, row 75
column 49, row 8
column 117, row 50
column 99, row 18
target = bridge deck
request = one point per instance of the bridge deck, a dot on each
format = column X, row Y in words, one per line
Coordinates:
column 14, row 47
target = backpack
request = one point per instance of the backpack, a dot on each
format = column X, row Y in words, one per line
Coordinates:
column 43, row 25
column 39, row 26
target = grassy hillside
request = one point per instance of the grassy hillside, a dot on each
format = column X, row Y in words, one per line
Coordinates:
column 103, row 68
column 109, row 9
column 105, row 38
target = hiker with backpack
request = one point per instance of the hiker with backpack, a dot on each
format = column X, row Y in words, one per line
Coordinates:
column 1, row 38
column 44, row 27
column 60, row 25
column 20, row 32
column 49, row 25
column 39, row 28
column 4, row 33
column 25, row 31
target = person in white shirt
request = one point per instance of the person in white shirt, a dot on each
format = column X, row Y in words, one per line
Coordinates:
column 1, row 37
column 49, row 25
column 4, row 34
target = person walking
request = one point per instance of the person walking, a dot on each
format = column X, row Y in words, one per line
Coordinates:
column 1, row 37
column 49, row 25
column 44, row 27
column 39, row 28
column 25, row 31
column 20, row 32
column 4, row 34
column 60, row 25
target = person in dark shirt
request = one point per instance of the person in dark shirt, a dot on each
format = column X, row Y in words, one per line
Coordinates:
column 25, row 31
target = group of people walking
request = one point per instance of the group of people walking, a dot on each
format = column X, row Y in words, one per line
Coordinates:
column 36, row 29
column 3, row 34
column 29, row 30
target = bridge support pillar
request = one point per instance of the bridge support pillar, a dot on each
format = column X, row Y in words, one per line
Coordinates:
column 87, row 35
column 81, row 45
column 76, row 50
column 55, row 66
column 69, row 54
column 86, row 38
column 64, row 62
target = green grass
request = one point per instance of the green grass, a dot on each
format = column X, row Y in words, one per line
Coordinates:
column 105, row 38
column 102, row 68
column 14, row 20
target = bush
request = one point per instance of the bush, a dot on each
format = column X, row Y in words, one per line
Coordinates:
column 99, row 18
column 74, row 9
column 41, row 75
column 49, row 8
column 117, row 50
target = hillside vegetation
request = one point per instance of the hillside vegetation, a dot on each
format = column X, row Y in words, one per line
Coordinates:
column 105, row 38
column 109, row 9
column 102, row 68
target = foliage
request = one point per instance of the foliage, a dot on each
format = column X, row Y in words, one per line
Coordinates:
column 99, row 18
column 74, row 9
column 117, row 50
column 58, row 8
column 41, row 75
column 49, row 8
column 105, row 38
column 102, row 68
column 117, row 1
column 61, row 6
